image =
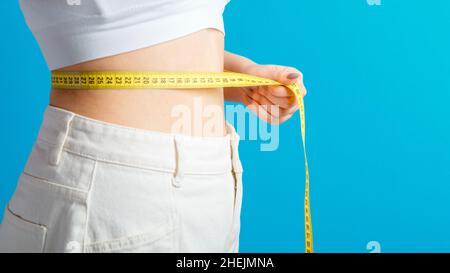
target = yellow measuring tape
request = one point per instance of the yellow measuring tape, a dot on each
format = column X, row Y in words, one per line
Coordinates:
column 173, row 80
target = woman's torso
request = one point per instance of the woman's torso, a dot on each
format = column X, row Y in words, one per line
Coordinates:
column 196, row 112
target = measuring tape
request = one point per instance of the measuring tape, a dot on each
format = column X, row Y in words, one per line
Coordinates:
column 185, row 80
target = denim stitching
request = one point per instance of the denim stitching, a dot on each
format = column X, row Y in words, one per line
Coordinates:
column 73, row 192
column 88, row 199
column 140, row 239
column 138, row 165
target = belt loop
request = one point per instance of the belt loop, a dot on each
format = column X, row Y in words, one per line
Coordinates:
column 235, row 161
column 55, row 154
column 178, row 173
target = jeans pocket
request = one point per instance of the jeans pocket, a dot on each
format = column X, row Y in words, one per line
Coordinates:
column 20, row 235
column 61, row 210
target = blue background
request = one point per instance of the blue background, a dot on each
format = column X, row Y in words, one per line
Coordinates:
column 377, row 121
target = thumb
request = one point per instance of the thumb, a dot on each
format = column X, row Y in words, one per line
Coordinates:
column 282, row 74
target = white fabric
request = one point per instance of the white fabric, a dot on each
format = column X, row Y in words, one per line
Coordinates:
column 91, row 186
column 74, row 31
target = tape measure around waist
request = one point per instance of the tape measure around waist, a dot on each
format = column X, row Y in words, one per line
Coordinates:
column 186, row 80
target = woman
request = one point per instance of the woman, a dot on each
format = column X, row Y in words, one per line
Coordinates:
column 111, row 171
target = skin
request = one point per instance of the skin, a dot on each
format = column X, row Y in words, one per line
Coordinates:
column 152, row 109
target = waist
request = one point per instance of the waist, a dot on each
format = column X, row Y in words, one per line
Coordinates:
column 80, row 135
column 181, row 111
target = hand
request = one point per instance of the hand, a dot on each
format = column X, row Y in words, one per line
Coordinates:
column 274, row 104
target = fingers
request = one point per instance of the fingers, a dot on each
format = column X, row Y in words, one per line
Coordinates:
column 288, row 75
column 279, row 73
column 256, row 108
column 287, row 104
column 270, row 109
column 261, row 99
column 278, row 91
column 282, row 74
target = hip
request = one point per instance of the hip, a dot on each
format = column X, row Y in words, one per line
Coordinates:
column 95, row 187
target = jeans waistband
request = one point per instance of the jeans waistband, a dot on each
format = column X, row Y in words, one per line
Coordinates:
column 102, row 141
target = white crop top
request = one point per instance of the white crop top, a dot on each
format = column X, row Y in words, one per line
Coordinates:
column 74, row 31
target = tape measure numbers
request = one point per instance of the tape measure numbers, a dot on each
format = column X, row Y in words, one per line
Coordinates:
column 186, row 80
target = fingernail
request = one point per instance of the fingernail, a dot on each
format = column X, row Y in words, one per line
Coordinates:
column 292, row 76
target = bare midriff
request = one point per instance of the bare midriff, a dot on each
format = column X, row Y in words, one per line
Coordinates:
column 163, row 110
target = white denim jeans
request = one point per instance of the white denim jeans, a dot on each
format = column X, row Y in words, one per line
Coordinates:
column 91, row 186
